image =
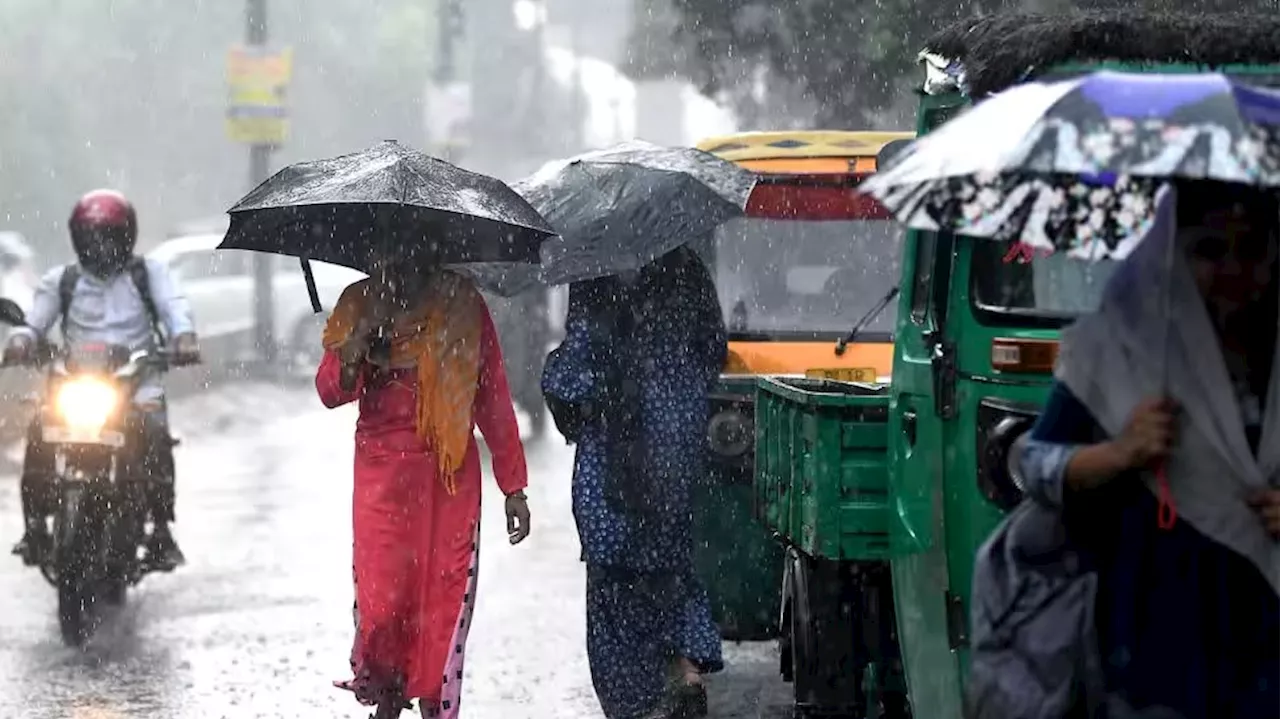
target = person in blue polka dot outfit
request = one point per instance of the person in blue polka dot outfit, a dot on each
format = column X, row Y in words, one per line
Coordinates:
column 630, row 385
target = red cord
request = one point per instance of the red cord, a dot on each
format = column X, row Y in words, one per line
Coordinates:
column 1167, row 515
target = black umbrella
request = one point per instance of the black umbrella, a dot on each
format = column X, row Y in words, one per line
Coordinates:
column 387, row 201
column 621, row 208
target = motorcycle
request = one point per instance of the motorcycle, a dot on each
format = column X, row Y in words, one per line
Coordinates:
column 99, row 527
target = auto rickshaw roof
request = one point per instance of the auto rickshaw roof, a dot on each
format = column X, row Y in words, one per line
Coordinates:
column 820, row 152
column 1003, row 49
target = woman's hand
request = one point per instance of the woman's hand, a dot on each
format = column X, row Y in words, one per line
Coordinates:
column 517, row 517
column 1145, row 441
column 1150, row 434
column 1267, row 502
column 355, row 349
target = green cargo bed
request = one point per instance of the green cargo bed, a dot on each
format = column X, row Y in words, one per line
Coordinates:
column 822, row 475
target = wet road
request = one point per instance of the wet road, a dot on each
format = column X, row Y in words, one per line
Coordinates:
column 259, row 621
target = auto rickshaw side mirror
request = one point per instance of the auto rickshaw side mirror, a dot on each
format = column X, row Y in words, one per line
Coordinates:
column 891, row 150
column 11, row 314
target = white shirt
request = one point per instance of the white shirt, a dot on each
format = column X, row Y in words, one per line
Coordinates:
column 111, row 311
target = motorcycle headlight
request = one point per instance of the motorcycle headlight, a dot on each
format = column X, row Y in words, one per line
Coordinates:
column 1001, row 425
column 730, row 432
column 86, row 402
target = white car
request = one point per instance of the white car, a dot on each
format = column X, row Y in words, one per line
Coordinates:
column 18, row 276
column 219, row 286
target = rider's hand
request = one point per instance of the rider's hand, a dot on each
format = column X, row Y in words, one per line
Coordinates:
column 517, row 517
column 1267, row 502
column 18, row 350
column 186, row 349
column 1149, row 435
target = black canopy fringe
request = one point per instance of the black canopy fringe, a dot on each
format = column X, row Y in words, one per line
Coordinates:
column 1003, row 49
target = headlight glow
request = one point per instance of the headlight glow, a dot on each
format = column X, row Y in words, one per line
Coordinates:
column 86, row 403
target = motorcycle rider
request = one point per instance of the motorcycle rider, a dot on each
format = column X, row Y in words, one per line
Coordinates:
column 115, row 297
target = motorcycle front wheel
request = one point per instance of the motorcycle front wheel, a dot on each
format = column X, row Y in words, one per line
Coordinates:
column 72, row 563
column 73, row 614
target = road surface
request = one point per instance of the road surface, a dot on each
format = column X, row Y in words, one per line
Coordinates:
column 259, row 621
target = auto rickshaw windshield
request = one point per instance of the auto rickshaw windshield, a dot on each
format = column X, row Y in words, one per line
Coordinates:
column 1009, row 287
column 799, row 279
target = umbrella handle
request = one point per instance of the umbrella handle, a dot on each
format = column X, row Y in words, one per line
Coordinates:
column 312, row 292
column 1167, row 514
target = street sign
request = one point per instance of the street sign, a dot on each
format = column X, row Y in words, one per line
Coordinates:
column 257, row 95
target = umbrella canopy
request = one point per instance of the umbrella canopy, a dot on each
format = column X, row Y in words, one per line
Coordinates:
column 1074, row 165
column 621, row 208
column 387, row 200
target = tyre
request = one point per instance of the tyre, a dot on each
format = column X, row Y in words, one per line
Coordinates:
column 73, row 563
column 786, row 656
column 115, row 591
column 826, row 666
column 73, row 612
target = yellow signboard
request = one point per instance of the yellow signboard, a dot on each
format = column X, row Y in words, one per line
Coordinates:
column 257, row 95
column 866, row 375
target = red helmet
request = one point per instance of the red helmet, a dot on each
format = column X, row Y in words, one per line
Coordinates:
column 104, row 231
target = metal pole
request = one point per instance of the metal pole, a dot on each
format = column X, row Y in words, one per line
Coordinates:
column 579, row 92
column 255, row 35
column 450, row 24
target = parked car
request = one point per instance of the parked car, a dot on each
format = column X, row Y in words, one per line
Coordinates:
column 18, row 275
column 526, row 331
column 219, row 285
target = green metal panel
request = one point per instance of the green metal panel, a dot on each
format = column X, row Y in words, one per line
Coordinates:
column 736, row 555
column 822, row 479
column 940, row 516
column 739, row 560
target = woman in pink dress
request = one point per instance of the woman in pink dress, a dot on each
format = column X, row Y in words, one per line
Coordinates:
column 416, row 505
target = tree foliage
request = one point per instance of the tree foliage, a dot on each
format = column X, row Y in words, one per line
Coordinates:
column 131, row 94
column 845, row 60
column 828, row 63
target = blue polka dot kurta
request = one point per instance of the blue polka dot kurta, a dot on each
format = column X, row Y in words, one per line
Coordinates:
column 645, row 605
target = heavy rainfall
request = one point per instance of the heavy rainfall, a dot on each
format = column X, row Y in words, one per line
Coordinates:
column 787, row 358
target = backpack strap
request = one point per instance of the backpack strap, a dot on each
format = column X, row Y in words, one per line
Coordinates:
column 142, row 281
column 66, row 292
column 137, row 269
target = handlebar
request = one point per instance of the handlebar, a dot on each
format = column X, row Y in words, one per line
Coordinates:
column 161, row 359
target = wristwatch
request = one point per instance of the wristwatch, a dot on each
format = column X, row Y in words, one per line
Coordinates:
column 518, row 494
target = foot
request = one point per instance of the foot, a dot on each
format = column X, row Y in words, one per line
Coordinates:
column 163, row 553
column 689, row 691
column 390, row 708
column 687, row 672
column 691, row 701
column 33, row 546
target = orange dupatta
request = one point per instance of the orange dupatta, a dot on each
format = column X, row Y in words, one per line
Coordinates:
column 441, row 336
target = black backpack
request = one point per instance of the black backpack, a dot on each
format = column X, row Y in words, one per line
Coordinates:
column 137, row 269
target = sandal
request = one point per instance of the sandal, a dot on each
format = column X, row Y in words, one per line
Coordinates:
column 691, row 699
column 688, row 691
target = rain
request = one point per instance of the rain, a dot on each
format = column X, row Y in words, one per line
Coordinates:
column 296, row 174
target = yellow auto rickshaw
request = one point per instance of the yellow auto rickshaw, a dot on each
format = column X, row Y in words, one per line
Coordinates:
column 807, row 280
